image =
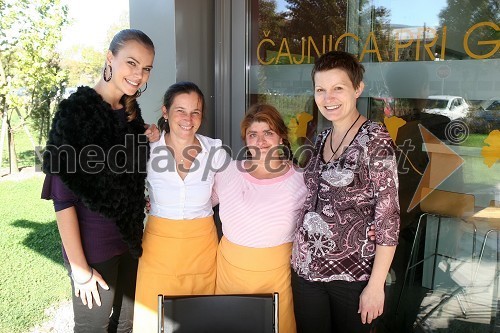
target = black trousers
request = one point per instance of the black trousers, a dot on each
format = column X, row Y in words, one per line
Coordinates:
column 326, row 307
column 117, row 304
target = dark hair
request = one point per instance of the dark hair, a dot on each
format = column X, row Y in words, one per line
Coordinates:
column 117, row 43
column 268, row 114
column 183, row 87
column 341, row 60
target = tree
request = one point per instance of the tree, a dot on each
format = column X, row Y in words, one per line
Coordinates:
column 32, row 79
column 84, row 64
column 267, row 24
column 458, row 16
column 270, row 20
column 318, row 18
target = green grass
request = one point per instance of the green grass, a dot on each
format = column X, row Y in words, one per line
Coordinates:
column 32, row 275
column 475, row 140
column 31, row 271
column 24, row 148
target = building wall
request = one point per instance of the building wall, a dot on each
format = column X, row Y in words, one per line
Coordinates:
column 157, row 19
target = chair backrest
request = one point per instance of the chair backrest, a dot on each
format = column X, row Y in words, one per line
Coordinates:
column 445, row 203
column 218, row 313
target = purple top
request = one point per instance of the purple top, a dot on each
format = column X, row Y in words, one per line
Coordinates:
column 101, row 239
column 345, row 197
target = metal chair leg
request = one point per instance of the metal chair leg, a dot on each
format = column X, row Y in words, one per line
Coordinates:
column 439, row 305
column 435, row 254
column 494, row 306
column 160, row 314
column 461, row 304
column 410, row 261
column 480, row 256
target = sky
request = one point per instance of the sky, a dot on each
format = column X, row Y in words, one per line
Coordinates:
column 414, row 13
column 91, row 20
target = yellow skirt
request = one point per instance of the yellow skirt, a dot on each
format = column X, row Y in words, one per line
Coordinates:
column 246, row 270
column 179, row 258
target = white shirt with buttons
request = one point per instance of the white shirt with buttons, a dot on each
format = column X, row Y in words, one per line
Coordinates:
column 177, row 199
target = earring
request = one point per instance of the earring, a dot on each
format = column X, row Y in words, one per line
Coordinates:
column 107, row 79
column 248, row 154
column 139, row 91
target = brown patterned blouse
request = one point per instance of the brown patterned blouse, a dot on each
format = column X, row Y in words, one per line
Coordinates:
column 345, row 197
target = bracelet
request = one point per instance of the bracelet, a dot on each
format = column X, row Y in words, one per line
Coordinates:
column 87, row 281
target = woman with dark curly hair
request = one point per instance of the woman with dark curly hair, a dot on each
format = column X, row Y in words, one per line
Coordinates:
column 95, row 161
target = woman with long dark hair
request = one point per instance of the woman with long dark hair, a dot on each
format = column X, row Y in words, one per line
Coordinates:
column 95, row 161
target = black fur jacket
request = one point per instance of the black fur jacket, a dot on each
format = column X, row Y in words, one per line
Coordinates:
column 102, row 160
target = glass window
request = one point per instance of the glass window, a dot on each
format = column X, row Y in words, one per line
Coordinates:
column 433, row 78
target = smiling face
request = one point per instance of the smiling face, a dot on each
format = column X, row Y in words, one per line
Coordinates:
column 184, row 115
column 131, row 66
column 335, row 95
column 261, row 140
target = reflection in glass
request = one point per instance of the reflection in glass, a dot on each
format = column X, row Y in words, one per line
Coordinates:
column 429, row 63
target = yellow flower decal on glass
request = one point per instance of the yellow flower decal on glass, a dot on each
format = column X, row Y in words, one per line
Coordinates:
column 491, row 152
column 393, row 124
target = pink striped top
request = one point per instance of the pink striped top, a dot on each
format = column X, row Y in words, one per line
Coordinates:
column 258, row 212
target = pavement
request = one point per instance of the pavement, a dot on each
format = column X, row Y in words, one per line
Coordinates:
column 24, row 173
column 60, row 319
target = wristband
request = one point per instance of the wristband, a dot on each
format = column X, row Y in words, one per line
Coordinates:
column 88, row 280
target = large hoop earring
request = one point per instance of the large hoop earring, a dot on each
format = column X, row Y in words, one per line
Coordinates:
column 248, row 154
column 139, row 91
column 107, row 79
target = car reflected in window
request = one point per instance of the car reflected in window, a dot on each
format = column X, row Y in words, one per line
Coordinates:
column 453, row 107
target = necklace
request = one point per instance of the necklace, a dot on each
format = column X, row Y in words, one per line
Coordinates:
column 180, row 160
column 341, row 141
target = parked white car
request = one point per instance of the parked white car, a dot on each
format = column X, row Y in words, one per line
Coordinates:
column 453, row 107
